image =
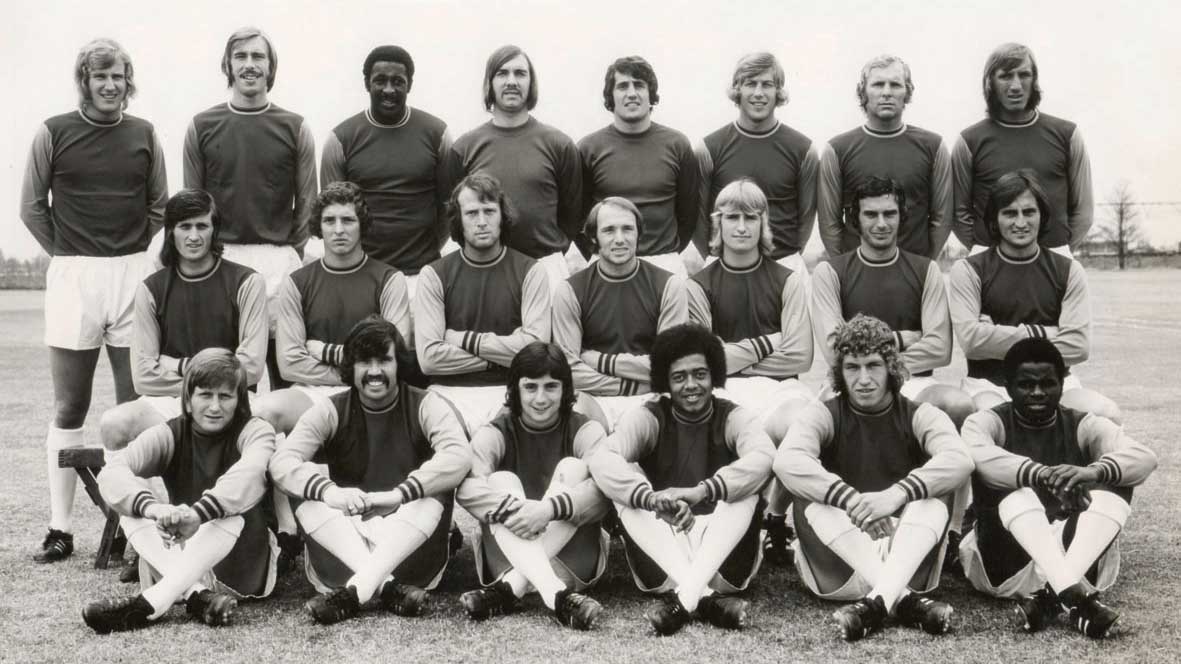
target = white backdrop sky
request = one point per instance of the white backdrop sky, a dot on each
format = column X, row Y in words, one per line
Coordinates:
column 1113, row 68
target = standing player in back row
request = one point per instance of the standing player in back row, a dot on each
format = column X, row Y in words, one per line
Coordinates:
column 537, row 165
column 105, row 170
column 406, row 195
column 259, row 163
column 885, row 146
column 758, row 146
column 1017, row 135
column 645, row 162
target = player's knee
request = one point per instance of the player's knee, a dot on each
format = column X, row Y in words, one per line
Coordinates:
column 1090, row 401
column 313, row 514
column 230, row 525
column 776, row 424
column 1017, row 503
column 954, row 402
column 507, row 481
column 422, row 514
column 586, row 404
column 1111, row 506
column 70, row 413
column 928, row 513
column 986, row 400
column 827, row 522
column 571, row 471
column 114, row 429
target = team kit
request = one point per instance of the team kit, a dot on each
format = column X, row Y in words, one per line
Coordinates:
column 575, row 342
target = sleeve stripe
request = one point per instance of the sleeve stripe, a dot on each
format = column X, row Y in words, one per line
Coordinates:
column 562, row 505
column 640, row 496
column 1028, row 472
column 142, row 501
column 838, row 494
column 316, row 486
column 208, row 508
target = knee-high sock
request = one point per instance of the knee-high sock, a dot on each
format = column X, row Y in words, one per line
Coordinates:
column 398, row 535
column 849, row 542
column 656, row 538
column 531, row 559
column 62, row 481
column 1097, row 527
column 142, row 534
column 1025, row 518
column 778, row 497
column 284, row 516
column 959, row 505
column 727, row 525
column 332, row 530
column 918, row 530
column 201, row 552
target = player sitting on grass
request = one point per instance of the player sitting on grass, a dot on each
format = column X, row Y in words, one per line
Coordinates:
column 684, row 471
column 394, row 454
column 539, row 509
column 872, row 473
column 1049, row 479
column 210, row 546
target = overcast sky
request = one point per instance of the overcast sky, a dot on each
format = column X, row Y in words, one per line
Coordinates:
column 1113, row 68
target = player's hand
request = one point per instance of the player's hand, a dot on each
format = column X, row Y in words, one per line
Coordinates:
column 350, row 500
column 883, row 527
column 875, row 505
column 530, row 520
column 506, row 509
column 382, row 503
column 1066, row 478
column 679, row 515
column 667, row 499
column 187, row 523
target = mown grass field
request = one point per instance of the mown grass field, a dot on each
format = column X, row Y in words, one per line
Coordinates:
column 1135, row 360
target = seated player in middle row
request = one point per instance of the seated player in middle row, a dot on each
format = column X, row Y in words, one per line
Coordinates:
column 394, row 454
column 684, row 472
column 872, row 473
column 530, row 489
column 759, row 309
column 477, row 307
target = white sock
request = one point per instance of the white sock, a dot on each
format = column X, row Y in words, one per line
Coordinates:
column 531, row 560
column 284, row 516
column 201, row 552
column 62, row 481
column 960, row 501
column 397, row 539
column 918, row 531
column 332, row 530
column 656, row 538
column 728, row 523
column 1097, row 527
column 1032, row 531
column 847, row 541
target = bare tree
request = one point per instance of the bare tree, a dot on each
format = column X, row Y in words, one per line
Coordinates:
column 1122, row 227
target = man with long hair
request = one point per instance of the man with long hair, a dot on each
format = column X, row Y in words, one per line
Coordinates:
column 530, row 489
column 209, row 545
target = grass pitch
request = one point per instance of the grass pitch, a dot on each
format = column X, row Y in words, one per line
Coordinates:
column 1134, row 360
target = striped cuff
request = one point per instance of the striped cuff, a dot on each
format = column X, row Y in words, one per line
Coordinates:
column 182, row 365
column 411, row 490
column 1031, row 474
column 898, row 340
column 471, row 342
column 1035, row 331
column 562, row 505
column 606, row 363
column 1109, row 471
column 715, row 489
column 142, row 501
column 838, row 494
column 763, row 346
column 316, row 486
column 628, row 387
column 641, row 497
column 208, row 508
column 914, row 487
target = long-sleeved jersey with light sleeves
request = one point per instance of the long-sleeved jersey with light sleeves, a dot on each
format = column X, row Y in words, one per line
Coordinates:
column 760, row 313
column 606, row 325
column 319, row 303
column 781, row 160
column 997, row 301
column 1011, row 453
column 472, row 318
column 108, row 182
column 416, row 446
column 834, row 451
column 914, row 158
column 1052, row 147
column 507, row 444
column 905, row 292
column 655, row 448
column 260, row 167
column 177, row 316
column 406, row 196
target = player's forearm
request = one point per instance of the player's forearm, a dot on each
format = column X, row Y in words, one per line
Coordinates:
column 437, row 357
column 949, row 463
column 745, row 353
column 291, row 466
column 619, row 480
column 451, row 460
column 806, row 478
column 243, row 484
column 478, row 497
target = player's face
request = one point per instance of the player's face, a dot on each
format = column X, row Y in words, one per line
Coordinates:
column 690, row 384
column 867, row 379
column 879, row 219
column 617, row 235
column 194, row 238
column 631, row 95
column 885, row 92
column 213, row 408
column 740, row 230
column 340, row 228
column 249, row 66
column 481, row 220
column 1013, row 87
column 108, row 89
column 756, row 98
column 1019, row 222
column 1036, row 391
column 388, row 86
column 510, row 85
column 541, row 401
column 376, row 379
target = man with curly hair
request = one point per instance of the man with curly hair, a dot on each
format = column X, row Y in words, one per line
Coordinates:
column 872, row 473
column 1052, row 491
column 685, row 472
